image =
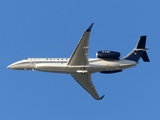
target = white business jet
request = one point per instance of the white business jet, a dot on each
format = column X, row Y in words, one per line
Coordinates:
column 80, row 67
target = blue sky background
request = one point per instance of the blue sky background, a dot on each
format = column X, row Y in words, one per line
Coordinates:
column 52, row 28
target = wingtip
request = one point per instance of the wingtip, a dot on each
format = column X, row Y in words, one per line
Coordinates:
column 90, row 27
column 101, row 97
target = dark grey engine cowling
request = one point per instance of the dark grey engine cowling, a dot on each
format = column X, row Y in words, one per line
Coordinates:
column 107, row 54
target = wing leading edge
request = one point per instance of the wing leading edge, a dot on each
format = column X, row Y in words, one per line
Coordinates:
column 80, row 54
column 80, row 58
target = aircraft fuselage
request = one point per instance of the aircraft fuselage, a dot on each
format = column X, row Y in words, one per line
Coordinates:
column 59, row 65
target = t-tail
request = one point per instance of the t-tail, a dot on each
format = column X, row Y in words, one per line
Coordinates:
column 139, row 51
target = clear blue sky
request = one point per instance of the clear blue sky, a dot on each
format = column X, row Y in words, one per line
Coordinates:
column 52, row 28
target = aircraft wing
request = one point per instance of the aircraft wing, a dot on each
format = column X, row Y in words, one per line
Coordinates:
column 85, row 81
column 80, row 54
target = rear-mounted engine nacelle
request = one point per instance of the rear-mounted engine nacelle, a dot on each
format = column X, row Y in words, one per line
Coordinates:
column 110, row 72
column 107, row 54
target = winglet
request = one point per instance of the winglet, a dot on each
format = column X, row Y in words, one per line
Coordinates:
column 101, row 97
column 90, row 27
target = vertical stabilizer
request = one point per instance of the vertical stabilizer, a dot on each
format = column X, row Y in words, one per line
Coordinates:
column 139, row 51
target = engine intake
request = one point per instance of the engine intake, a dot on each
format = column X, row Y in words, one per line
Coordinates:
column 107, row 54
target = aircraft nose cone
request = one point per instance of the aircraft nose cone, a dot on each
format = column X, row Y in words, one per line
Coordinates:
column 9, row 66
column 12, row 66
column 17, row 66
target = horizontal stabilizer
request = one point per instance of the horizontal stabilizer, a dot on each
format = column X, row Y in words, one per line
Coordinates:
column 145, row 57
